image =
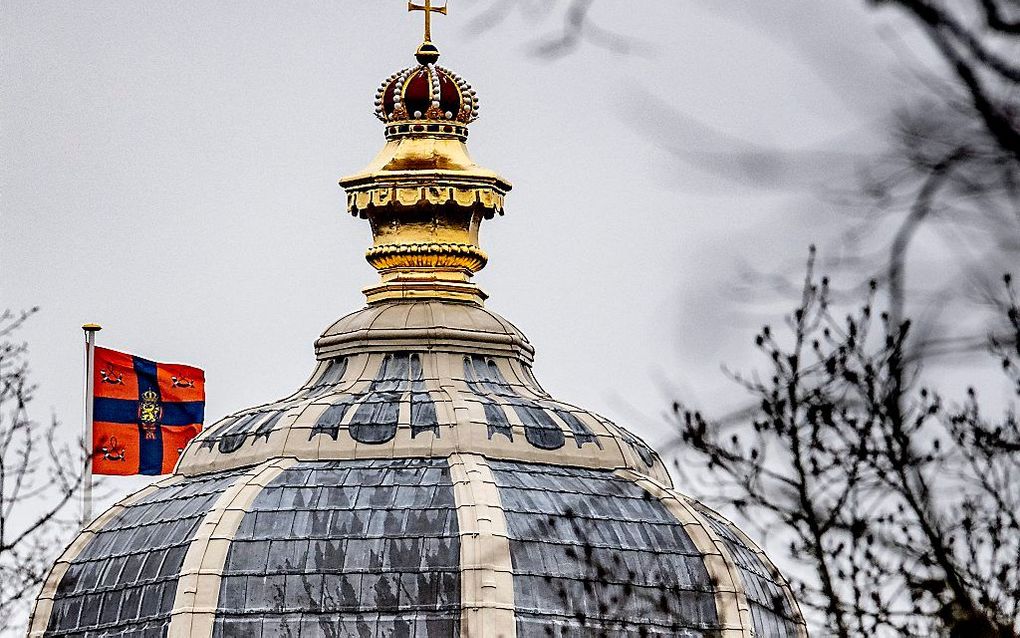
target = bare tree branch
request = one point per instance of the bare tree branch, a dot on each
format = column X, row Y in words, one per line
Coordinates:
column 880, row 486
column 39, row 480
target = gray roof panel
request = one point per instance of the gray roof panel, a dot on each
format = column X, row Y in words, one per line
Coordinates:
column 593, row 552
column 125, row 579
column 347, row 548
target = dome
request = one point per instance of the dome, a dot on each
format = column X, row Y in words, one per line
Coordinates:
column 420, row 483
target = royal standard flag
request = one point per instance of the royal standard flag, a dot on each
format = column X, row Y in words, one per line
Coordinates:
column 144, row 413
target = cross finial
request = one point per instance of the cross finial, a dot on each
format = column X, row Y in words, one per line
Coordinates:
column 429, row 9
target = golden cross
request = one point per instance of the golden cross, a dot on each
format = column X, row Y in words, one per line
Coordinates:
column 429, row 10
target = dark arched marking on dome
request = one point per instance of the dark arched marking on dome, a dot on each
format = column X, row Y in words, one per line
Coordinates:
column 495, row 418
column 329, row 421
column 378, row 412
column 484, row 378
column 225, row 436
column 423, row 408
column 594, row 553
column 378, row 409
column 582, row 433
column 771, row 610
column 124, row 581
column 230, row 438
column 333, row 373
column 346, row 548
column 231, row 435
column 268, row 426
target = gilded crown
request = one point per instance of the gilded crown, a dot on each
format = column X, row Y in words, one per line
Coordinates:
column 426, row 99
column 150, row 396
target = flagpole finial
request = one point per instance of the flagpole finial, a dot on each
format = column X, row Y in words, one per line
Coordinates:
column 92, row 327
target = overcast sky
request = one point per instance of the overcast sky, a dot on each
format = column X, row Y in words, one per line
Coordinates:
column 168, row 170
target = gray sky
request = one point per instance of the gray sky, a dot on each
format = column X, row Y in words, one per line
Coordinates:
column 168, row 169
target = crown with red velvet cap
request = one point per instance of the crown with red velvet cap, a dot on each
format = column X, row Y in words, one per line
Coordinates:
column 428, row 93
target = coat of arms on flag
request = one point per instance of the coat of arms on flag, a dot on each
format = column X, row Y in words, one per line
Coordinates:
column 144, row 413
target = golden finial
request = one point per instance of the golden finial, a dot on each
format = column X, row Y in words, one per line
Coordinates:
column 423, row 194
column 427, row 53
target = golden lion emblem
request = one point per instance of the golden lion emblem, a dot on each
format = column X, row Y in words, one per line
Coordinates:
column 149, row 409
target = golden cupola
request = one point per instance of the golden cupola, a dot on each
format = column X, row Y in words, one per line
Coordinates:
column 423, row 194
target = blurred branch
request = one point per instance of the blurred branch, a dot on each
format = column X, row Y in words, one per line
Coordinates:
column 994, row 17
column 576, row 28
column 938, row 19
column 952, row 157
column 949, row 35
column 918, row 213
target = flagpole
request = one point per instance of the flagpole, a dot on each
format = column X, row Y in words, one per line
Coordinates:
column 90, row 359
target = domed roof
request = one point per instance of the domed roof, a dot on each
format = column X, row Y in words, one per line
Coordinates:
column 420, row 483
